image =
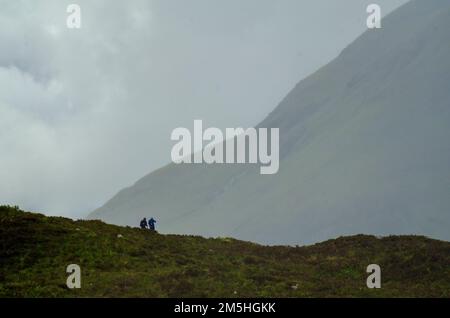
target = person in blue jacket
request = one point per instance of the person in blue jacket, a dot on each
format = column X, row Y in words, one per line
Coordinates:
column 151, row 224
column 143, row 223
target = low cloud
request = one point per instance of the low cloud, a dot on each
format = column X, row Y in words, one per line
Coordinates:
column 86, row 112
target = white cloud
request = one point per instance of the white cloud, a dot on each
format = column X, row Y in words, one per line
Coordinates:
column 85, row 112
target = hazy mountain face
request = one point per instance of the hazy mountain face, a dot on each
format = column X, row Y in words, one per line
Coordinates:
column 84, row 112
column 364, row 146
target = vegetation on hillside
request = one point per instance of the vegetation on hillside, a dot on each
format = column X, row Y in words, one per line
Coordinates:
column 129, row 262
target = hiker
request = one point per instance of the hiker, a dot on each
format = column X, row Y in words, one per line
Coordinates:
column 151, row 224
column 144, row 223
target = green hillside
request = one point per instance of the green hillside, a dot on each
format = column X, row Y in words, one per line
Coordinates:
column 128, row 262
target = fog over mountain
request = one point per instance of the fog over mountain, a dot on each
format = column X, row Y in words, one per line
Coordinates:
column 85, row 112
column 364, row 147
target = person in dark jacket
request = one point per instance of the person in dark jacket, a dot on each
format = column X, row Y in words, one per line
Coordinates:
column 151, row 224
column 144, row 223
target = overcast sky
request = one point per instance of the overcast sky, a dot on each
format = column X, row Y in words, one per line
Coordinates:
column 86, row 112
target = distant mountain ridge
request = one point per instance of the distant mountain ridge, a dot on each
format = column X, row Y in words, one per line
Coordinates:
column 364, row 145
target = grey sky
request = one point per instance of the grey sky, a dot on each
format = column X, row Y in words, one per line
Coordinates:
column 84, row 113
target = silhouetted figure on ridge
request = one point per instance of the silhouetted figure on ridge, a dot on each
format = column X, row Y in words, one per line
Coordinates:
column 143, row 223
column 151, row 224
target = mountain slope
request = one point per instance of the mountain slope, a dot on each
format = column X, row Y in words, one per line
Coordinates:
column 364, row 148
column 127, row 262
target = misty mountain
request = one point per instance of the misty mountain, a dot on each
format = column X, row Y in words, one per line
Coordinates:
column 364, row 146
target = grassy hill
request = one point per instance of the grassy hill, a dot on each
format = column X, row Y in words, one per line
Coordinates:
column 128, row 262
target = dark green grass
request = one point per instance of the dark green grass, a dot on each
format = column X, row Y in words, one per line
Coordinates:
column 35, row 251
